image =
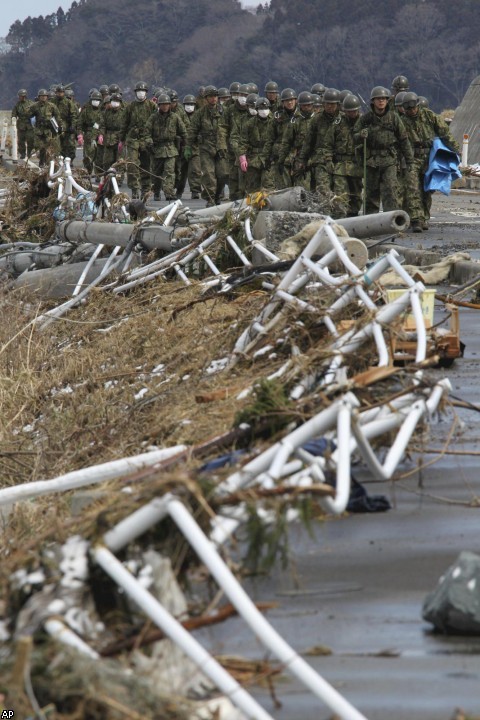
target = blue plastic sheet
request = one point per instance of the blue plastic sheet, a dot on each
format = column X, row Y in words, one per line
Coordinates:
column 442, row 168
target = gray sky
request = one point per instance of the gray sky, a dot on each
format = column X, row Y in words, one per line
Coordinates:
column 13, row 10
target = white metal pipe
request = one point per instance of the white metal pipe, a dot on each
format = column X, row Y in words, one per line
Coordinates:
column 3, row 141
column 87, row 267
column 464, row 160
column 401, row 271
column 383, row 354
column 181, row 274
column 238, row 251
column 208, row 260
column 175, row 205
column 165, row 210
column 14, row 139
column 342, row 255
column 322, row 274
column 338, row 504
column 88, row 476
column 57, row 629
column 110, row 260
column 260, row 626
column 136, row 524
column 421, row 352
column 177, row 633
column 407, row 428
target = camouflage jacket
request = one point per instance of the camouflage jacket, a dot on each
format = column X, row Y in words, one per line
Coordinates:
column 256, row 141
column 233, row 121
column 342, row 147
column 386, row 139
column 293, row 138
column 135, row 116
column 22, row 110
column 43, row 112
column 206, row 129
column 317, row 146
column 423, row 128
column 69, row 114
column 281, row 120
column 89, row 121
column 111, row 126
column 164, row 130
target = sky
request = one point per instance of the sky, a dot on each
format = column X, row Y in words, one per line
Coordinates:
column 13, row 10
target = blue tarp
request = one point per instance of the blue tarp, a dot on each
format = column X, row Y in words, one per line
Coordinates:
column 442, row 168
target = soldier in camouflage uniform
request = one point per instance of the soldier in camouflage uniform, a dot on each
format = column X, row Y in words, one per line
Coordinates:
column 316, row 152
column 206, row 130
column 383, row 133
column 164, row 129
column 46, row 136
column 177, row 109
column 422, row 126
column 347, row 172
column 110, row 132
column 190, row 169
column 25, row 134
column 255, row 149
column 272, row 93
column 88, row 127
column 69, row 117
column 134, row 134
column 234, row 118
column 293, row 139
column 281, row 118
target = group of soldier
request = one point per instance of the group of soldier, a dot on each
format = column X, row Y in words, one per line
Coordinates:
column 236, row 138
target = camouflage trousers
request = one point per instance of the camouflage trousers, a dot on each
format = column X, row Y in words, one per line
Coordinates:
column 190, row 170
column 381, row 187
column 258, row 179
column 139, row 162
column 351, row 188
column 419, row 202
column 322, row 180
column 47, row 145
column 25, row 141
column 89, row 153
column 164, row 177
column 68, row 145
column 214, row 176
column 236, row 180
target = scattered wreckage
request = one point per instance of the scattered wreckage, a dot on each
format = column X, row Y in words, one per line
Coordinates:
column 321, row 324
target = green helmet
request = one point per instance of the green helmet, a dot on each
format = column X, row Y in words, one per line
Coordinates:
column 410, row 100
column 344, row 93
column 331, row 95
column 380, row 92
column 234, row 87
column 141, row 86
column 42, row 91
column 317, row 100
column 252, row 99
column 223, row 92
column 173, row 96
column 22, row 93
column 423, row 101
column 189, row 100
column 261, row 103
column 60, row 88
column 399, row 97
column 305, row 98
column 95, row 95
column 400, row 82
column 351, row 102
column 164, row 99
column 103, row 89
column 318, row 89
column 244, row 89
column 69, row 93
column 272, row 87
column 253, row 87
column 288, row 94
column 211, row 91
column 117, row 97
column 113, row 88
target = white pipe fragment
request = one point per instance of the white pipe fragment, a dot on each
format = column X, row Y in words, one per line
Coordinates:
column 60, row 632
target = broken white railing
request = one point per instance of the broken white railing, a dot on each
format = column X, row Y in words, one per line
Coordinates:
column 138, row 523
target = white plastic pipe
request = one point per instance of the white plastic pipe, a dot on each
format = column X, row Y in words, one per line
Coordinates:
column 464, row 160
column 4, row 135
column 88, row 476
column 238, row 251
column 60, row 632
column 177, row 633
column 338, row 504
column 87, row 267
column 175, row 205
column 14, row 139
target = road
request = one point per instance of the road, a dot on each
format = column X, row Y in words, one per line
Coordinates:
column 357, row 585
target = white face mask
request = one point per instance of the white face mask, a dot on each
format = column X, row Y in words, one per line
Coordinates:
column 115, row 104
column 264, row 113
column 95, row 103
column 252, row 111
column 189, row 108
column 242, row 99
column 141, row 94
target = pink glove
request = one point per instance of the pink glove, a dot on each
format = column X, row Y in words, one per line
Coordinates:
column 100, row 140
column 80, row 139
column 120, row 146
column 243, row 163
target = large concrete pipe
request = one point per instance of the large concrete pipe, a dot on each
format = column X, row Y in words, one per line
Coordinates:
column 153, row 237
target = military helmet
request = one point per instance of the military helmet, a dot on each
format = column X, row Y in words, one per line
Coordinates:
column 317, row 100
column 234, row 87
column 252, row 99
column 423, row 101
column 331, row 95
column 69, row 93
column 113, row 88
column 42, row 91
column 253, row 87
column 288, row 94
column 244, row 89
column 189, row 100
column 305, row 98
column 261, row 103
column 107, row 98
column 51, row 94
column 164, row 99
column 272, row 87
column 92, row 90
column 103, row 89
column 380, row 92
column 117, row 97
column 223, row 92
column 400, row 82
column 399, row 98
column 141, row 86
column 344, row 93
column 173, row 95
column 95, row 95
column 351, row 102
column 211, row 91
column 410, row 100
column 318, row 89
column 60, row 88
column 22, row 93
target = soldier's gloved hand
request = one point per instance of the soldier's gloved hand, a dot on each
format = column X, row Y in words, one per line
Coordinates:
column 80, row 139
column 120, row 146
column 243, row 163
column 100, row 140
column 364, row 133
column 187, row 153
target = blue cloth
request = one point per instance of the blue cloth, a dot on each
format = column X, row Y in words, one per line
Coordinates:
column 442, row 168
